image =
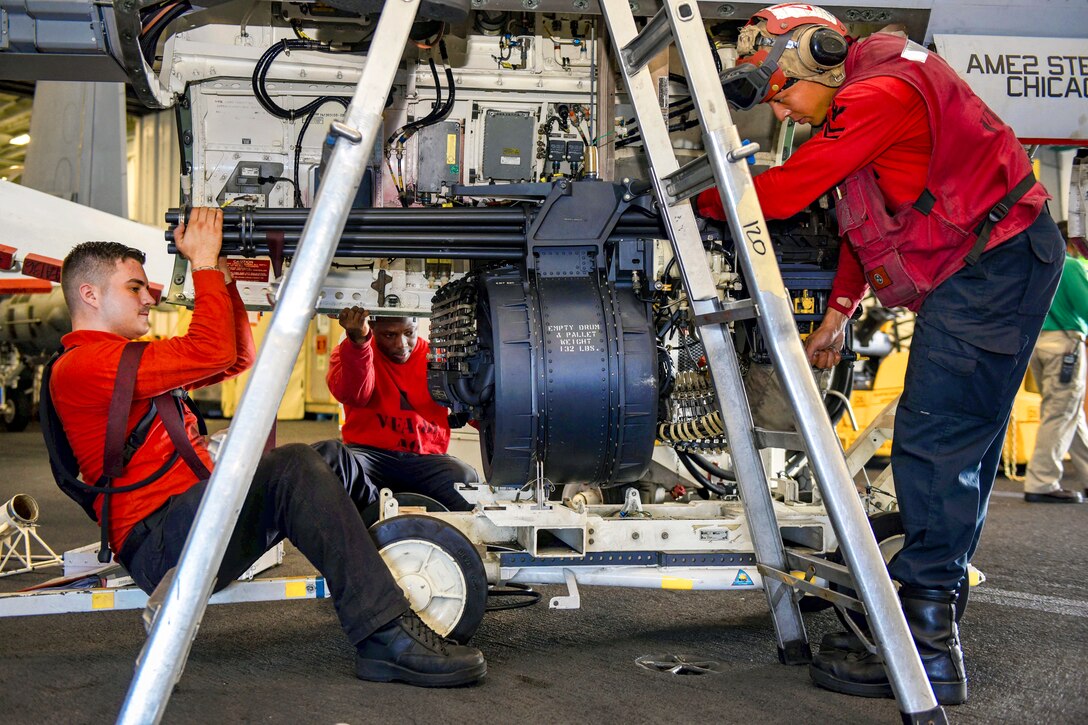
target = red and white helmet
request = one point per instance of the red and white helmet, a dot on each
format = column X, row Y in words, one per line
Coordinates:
column 783, row 42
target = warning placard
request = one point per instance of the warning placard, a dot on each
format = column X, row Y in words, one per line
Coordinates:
column 249, row 270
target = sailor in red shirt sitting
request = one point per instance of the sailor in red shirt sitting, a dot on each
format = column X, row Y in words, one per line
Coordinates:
column 940, row 213
column 293, row 493
column 395, row 434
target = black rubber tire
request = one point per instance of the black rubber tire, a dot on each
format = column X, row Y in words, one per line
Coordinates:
column 404, row 498
column 888, row 525
column 17, row 418
column 885, row 525
column 454, row 543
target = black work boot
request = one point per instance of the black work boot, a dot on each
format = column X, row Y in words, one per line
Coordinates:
column 930, row 615
column 407, row 650
column 842, row 643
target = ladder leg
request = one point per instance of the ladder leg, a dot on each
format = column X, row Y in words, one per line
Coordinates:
column 754, row 250
column 721, row 356
column 908, row 679
column 163, row 658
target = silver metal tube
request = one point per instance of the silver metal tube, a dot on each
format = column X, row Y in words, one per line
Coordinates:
column 753, row 244
column 164, row 655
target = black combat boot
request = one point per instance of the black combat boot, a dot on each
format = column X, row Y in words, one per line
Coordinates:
column 407, row 650
column 843, row 643
column 930, row 615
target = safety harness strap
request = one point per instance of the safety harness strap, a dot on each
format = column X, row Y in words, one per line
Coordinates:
column 999, row 211
column 169, row 406
column 113, row 464
column 124, row 385
column 926, row 201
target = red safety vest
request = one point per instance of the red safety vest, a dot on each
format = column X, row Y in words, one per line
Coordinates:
column 978, row 172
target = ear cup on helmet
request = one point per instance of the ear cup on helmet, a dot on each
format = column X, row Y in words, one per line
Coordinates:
column 828, row 48
column 821, row 48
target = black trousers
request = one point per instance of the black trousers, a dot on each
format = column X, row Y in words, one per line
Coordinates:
column 295, row 496
column 972, row 342
column 365, row 470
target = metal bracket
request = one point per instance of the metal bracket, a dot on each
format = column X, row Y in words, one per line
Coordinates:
column 632, row 503
column 541, row 488
column 390, row 507
column 789, row 440
column 730, row 312
column 572, row 600
column 688, row 180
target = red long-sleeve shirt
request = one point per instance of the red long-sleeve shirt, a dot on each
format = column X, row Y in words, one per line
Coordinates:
column 387, row 404
column 218, row 345
column 881, row 121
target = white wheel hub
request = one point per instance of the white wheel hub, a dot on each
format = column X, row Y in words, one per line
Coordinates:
column 890, row 546
column 431, row 579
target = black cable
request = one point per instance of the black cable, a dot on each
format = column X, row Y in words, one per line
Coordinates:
column 302, row 132
column 260, row 75
column 150, row 41
column 512, row 590
column 710, row 468
column 698, row 475
column 673, row 105
column 277, row 179
column 636, row 137
column 438, row 113
column 406, row 131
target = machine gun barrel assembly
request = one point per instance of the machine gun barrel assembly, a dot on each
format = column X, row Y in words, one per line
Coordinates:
column 483, row 233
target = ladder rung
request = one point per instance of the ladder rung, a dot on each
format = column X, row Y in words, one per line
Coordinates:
column 654, row 38
column 689, row 180
column 816, row 565
column 729, row 312
column 837, row 598
column 789, row 440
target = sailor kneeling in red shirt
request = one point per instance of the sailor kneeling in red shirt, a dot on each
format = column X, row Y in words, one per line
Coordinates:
column 293, row 493
column 395, row 434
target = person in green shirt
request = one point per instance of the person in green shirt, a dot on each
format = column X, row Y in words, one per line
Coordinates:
column 1058, row 366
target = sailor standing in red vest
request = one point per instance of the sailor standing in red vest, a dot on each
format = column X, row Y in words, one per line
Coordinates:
column 939, row 213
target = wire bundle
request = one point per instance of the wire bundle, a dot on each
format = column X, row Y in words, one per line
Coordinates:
column 154, row 20
column 439, row 112
column 309, row 110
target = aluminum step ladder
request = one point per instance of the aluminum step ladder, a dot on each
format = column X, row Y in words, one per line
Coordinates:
column 680, row 22
column 162, row 660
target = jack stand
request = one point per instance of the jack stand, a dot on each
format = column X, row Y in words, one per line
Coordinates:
column 17, row 529
column 17, row 543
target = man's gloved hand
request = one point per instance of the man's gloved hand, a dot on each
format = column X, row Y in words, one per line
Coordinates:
column 356, row 323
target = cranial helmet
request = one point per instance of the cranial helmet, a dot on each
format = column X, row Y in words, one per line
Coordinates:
column 784, row 42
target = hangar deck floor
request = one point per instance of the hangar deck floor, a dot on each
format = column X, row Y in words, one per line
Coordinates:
column 1025, row 635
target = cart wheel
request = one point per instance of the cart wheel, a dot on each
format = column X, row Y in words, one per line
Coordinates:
column 15, row 415
column 439, row 570
column 887, row 527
